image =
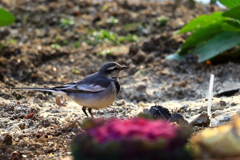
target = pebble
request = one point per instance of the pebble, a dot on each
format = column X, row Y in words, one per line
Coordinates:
column 68, row 119
column 223, row 103
column 202, row 120
column 139, row 57
column 42, row 139
column 141, row 87
column 120, row 102
column 224, row 120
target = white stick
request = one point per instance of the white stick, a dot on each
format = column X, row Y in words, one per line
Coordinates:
column 210, row 93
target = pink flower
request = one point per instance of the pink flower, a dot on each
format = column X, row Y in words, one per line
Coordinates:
column 116, row 130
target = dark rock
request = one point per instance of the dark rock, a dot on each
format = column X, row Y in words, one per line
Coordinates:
column 139, row 57
column 7, row 140
column 45, row 123
column 133, row 50
column 223, row 103
column 178, row 118
column 148, row 47
column 150, row 58
column 160, row 112
column 141, row 87
column 202, row 120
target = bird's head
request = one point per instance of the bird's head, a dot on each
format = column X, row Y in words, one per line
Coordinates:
column 112, row 69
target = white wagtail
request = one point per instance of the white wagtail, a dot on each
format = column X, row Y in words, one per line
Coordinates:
column 95, row 91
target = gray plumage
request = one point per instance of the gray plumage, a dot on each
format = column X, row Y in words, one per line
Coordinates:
column 95, row 91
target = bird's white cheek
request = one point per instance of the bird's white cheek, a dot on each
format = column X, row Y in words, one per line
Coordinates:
column 115, row 74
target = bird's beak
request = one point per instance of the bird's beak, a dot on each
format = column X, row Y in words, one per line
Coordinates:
column 123, row 68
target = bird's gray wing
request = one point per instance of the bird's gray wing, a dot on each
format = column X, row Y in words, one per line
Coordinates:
column 94, row 84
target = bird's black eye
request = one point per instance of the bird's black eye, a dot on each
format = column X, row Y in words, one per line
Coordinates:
column 109, row 71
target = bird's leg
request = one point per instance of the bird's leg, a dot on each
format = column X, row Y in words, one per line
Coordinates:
column 84, row 111
column 90, row 111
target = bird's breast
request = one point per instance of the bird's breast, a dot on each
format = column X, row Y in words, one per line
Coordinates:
column 96, row 100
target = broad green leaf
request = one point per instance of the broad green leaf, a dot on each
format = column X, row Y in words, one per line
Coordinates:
column 217, row 45
column 204, row 34
column 6, row 18
column 233, row 22
column 230, row 3
column 233, row 13
column 202, row 21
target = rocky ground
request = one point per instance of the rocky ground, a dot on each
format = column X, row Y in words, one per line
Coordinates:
column 59, row 41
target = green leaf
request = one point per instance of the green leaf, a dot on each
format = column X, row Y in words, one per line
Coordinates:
column 233, row 13
column 233, row 22
column 6, row 18
column 109, row 35
column 230, row 3
column 204, row 34
column 217, row 45
column 202, row 21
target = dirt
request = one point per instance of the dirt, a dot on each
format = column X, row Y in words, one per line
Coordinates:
column 51, row 43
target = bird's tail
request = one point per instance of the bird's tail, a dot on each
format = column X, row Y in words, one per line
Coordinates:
column 43, row 89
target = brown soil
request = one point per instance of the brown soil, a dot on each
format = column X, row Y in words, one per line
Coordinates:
column 43, row 50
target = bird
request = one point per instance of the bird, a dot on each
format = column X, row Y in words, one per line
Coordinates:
column 95, row 91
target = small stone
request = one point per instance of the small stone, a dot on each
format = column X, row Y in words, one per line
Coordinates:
column 16, row 139
column 32, row 148
column 178, row 118
column 45, row 123
column 223, row 103
column 224, row 120
column 24, row 156
column 202, row 120
column 199, row 80
column 110, row 110
column 68, row 119
column 68, row 136
column 7, row 140
column 141, row 87
column 213, row 115
column 183, row 107
column 165, row 71
column 55, row 111
column 42, row 139
column 142, row 104
column 150, row 58
column 20, row 136
column 22, row 126
column 139, row 57
column 133, row 50
column 120, row 102
column 159, row 112
column 144, row 79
